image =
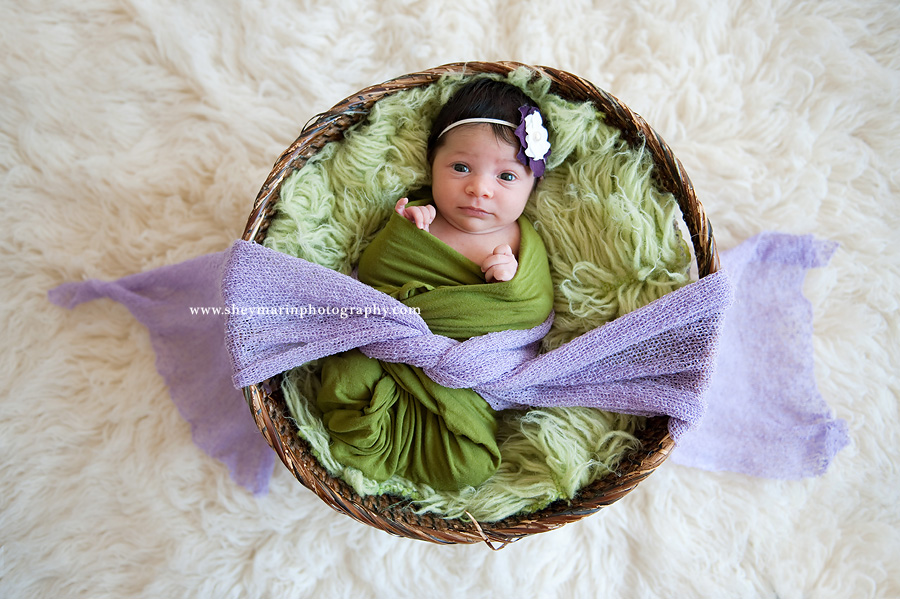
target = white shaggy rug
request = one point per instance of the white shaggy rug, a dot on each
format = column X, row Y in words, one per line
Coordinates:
column 135, row 134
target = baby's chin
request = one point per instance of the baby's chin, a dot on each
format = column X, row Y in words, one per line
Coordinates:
column 483, row 228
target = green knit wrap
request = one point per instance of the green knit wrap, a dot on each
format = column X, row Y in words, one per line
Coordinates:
column 386, row 418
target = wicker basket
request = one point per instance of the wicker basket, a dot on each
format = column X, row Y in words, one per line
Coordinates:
column 384, row 512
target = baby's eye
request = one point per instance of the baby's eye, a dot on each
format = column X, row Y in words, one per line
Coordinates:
column 460, row 168
column 507, row 177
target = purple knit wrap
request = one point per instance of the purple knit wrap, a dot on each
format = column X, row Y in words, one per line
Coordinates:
column 654, row 361
column 191, row 357
column 765, row 416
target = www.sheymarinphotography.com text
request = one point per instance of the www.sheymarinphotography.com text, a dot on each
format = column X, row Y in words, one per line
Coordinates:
column 309, row 310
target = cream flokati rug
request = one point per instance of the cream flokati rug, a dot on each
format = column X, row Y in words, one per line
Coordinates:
column 136, row 134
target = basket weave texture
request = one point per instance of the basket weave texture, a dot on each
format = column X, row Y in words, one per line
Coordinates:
column 385, row 512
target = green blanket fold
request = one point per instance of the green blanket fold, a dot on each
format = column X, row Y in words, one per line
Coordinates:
column 387, row 419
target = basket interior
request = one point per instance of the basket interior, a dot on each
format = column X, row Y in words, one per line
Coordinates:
column 614, row 245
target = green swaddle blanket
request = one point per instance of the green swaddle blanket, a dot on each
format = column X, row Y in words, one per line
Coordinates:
column 386, row 418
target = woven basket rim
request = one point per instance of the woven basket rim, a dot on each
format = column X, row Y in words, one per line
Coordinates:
column 383, row 512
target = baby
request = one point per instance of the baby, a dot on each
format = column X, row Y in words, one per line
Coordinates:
column 487, row 150
column 389, row 418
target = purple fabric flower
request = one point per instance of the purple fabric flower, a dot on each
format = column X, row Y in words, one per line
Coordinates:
column 534, row 140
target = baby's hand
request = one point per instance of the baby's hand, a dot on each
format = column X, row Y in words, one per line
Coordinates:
column 500, row 266
column 420, row 216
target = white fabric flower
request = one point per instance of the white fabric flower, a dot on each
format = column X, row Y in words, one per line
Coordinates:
column 536, row 140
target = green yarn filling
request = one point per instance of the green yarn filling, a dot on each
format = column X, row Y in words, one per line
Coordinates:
column 613, row 244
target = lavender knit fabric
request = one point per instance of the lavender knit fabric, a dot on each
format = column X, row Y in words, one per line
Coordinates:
column 191, row 357
column 764, row 416
column 654, row 361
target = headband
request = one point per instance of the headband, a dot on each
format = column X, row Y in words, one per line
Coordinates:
column 476, row 120
column 534, row 145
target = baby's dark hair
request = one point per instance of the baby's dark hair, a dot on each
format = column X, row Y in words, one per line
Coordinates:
column 481, row 98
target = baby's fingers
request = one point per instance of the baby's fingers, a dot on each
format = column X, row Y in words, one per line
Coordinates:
column 496, row 259
column 499, row 267
column 421, row 219
column 500, row 272
column 423, row 215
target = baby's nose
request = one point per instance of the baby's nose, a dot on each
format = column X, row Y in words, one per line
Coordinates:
column 482, row 187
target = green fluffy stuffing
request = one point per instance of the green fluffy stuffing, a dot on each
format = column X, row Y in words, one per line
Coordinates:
column 613, row 243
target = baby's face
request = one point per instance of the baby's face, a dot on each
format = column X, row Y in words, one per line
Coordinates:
column 478, row 185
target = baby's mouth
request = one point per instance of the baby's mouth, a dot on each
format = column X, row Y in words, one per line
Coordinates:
column 473, row 211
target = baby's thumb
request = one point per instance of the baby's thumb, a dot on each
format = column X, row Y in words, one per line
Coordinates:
column 503, row 249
